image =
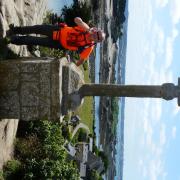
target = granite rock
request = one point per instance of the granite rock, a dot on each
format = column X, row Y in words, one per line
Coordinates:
column 17, row 12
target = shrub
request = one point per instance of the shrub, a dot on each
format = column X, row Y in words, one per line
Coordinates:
column 42, row 154
column 82, row 136
column 104, row 159
column 65, row 132
column 94, row 175
column 28, row 147
column 12, row 170
column 1, row 175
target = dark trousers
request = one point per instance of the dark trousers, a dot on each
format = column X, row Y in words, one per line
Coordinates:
column 45, row 40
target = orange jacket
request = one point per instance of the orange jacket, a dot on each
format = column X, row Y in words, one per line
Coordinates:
column 75, row 39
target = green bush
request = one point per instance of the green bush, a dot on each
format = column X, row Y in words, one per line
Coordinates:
column 65, row 132
column 82, row 136
column 93, row 175
column 48, row 52
column 28, row 147
column 1, row 175
column 42, row 154
column 12, row 170
column 104, row 159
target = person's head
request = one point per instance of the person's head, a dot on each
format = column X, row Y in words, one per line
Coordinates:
column 98, row 35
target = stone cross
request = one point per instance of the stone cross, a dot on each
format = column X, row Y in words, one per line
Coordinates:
column 167, row 91
column 74, row 94
column 37, row 89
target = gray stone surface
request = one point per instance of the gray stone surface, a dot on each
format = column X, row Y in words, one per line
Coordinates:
column 21, row 12
column 7, row 134
column 30, row 89
column 18, row 12
column 73, row 79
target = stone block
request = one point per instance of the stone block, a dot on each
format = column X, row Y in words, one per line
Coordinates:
column 31, row 90
column 29, row 94
column 27, row 77
column 29, row 113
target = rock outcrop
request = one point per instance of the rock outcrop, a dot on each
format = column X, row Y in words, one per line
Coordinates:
column 20, row 12
column 17, row 12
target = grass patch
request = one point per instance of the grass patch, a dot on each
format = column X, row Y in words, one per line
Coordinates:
column 86, row 110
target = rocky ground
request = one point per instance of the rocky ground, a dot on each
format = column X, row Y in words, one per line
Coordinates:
column 18, row 12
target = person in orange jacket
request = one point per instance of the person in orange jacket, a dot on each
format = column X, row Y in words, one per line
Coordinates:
column 80, row 38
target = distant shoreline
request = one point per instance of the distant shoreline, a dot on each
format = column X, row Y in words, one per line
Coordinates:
column 105, row 17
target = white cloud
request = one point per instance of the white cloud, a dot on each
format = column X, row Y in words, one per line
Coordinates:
column 169, row 52
column 165, row 76
column 175, row 11
column 176, row 108
column 162, row 139
column 161, row 3
column 169, row 47
column 156, row 169
column 174, row 130
column 160, row 40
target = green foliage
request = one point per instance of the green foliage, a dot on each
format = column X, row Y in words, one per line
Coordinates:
column 85, row 66
column 115, row 113
column 94, row 176
column 1, row 175
column 65, row 132
column 52, row 18
column 104, row 159
column 12, row 170
column 95, row 149
column 42, row 154
column 76, row 10
column 82, row 136
column 67, row 117
column 102, row 155
column 48, row 52
column 86, row 111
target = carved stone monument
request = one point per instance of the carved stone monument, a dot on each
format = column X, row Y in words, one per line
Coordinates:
column 37, row 89
column 167, row 91
column 30, row 89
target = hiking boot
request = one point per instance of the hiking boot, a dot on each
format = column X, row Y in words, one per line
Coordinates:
column 11, row 26
column 10, row 32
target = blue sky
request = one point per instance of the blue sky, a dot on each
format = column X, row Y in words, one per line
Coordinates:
column 152, row 126
column 56, row 5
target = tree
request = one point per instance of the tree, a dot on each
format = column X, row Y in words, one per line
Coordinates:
column 77, row 9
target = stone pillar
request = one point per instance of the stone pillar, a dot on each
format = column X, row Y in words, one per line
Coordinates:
column 30, row 89
column 167, row 91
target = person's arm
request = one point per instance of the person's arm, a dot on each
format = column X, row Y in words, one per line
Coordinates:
column 82, row 24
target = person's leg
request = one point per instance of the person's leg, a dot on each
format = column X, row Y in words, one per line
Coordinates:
column 36, row 29
column 32, row 40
